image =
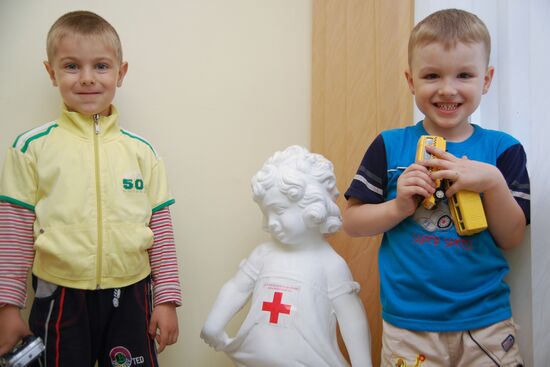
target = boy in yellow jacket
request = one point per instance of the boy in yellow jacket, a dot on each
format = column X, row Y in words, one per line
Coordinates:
column 86, row 204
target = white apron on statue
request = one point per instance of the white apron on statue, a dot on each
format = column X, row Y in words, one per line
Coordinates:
column 291, row 321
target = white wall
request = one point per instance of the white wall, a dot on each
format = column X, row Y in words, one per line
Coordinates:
column 217, row 86
column 539, row 136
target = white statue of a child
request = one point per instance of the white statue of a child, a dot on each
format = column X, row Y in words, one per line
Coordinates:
column 299, row 285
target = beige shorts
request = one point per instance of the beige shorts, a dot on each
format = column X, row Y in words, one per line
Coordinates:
column 491, row 346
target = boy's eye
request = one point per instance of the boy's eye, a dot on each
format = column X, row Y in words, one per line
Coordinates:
column 102, row 66
column 71, row 66
column 431, row 76
column 464, row 75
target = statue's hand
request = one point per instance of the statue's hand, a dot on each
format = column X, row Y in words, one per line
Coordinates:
column 216, row 339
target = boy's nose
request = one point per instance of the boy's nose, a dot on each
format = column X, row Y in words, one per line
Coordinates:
column 447, row 89
column 85, row 82
column 86, row 78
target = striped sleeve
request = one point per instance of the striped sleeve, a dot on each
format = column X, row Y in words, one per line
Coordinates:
column 16, row 252
column 513, row 165
column 163, row 259
column 369, row 183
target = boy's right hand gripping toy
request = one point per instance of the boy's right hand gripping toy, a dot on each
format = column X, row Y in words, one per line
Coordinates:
column 465, row 206
column 24, row 353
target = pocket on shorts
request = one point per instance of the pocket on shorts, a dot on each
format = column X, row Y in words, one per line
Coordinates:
column 499, row 341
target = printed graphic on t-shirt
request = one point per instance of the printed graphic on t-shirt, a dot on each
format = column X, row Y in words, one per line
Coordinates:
column 437, row 219
column 451, row 243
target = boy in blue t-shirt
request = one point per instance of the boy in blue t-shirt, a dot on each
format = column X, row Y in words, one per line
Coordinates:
column 444, row 300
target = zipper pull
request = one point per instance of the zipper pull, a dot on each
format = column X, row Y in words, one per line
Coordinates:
column 95, row 117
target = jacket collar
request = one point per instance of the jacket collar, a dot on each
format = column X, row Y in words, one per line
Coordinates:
column 84, row 126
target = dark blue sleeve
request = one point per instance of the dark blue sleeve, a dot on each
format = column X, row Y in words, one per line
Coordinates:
column 370, row 182
column 513, row 165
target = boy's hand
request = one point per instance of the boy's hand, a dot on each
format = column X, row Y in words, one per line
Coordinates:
column 464, row 173
column 413, row 184
column 165, row 320
column 12, row 328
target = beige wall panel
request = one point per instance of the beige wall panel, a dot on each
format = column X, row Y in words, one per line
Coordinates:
column 335, row 81
column 394, row 21
column 358, row 89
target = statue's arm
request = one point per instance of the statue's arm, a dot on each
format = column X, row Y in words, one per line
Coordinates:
column 354, row 328
column 232, row 297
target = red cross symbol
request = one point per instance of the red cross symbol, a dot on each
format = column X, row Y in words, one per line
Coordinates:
column 276, row 307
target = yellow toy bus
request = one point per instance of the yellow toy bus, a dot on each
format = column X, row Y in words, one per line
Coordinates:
column 465, row 206
column 423, row 155
column 467, row 212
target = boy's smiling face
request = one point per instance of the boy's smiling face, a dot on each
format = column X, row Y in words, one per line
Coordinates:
column 87, row 72
column 448, row 84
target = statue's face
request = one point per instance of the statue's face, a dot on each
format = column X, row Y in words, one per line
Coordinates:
column 284, row 219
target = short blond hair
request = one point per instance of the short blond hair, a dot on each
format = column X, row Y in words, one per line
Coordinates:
column 84, row 23
column 448, row 27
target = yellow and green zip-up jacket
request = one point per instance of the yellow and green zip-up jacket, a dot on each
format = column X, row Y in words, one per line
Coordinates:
column 93, row 187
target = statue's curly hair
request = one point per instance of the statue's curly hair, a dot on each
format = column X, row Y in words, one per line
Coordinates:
column 305, row 178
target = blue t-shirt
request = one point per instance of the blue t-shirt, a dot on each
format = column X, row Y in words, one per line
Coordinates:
column 431, row 278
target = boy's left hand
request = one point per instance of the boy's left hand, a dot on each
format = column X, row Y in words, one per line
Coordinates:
column 464, row 173
column 165, row 320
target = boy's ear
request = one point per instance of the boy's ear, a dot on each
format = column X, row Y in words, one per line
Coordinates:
column 51, row 73
column 122, row 73
column 408, row 76
column 488, row 78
